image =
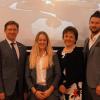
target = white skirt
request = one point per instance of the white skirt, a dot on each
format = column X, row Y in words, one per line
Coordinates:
column 74, row 92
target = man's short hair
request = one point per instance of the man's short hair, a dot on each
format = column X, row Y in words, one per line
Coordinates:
column 11, row 23
column 96, row 14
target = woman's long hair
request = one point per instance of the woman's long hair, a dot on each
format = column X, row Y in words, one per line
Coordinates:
column 35, row 51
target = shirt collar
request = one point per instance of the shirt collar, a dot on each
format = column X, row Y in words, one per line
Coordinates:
column 95, row 37
column 10, row 41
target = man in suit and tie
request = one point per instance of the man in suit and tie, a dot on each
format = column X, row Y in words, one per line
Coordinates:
column 12, row 65
column 92, row 57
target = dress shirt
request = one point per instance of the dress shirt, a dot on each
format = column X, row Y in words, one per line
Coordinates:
column 41, row 69
column 15, row 46
column 92, row 40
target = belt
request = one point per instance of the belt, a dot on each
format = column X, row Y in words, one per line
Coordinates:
column 41, row 87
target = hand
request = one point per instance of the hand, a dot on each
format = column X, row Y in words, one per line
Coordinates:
column 63, row 89
column 48, row 92
column 25, row 96
column 39, row 95
column 98, row 90
column 33, row 90
column 2, row 96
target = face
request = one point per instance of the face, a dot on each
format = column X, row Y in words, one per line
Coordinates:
column 69, row 39
column 94, row 25
column 42, row 42
column 11, row 32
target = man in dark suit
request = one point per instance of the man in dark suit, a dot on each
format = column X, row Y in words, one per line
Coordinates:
column 92, row 58
column 13, row 56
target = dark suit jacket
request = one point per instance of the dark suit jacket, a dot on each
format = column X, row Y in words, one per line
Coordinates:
column 92, row 57
column 8, row 68
column 52, row 78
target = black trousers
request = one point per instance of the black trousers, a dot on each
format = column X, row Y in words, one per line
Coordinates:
column 17, row 95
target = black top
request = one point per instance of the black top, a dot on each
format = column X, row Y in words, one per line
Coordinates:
column 73, row 65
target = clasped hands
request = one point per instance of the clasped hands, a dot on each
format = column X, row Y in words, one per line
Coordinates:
column 42, row 95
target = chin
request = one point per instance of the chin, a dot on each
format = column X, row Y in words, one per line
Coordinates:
column 95, row 32
column 69, row 45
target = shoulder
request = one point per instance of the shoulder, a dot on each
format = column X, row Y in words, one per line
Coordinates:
column 21, row 45
column 98, row 42
column 78, row 50
column 55, row 56
column 59, row 51
column 3, row 43
column 86, row 41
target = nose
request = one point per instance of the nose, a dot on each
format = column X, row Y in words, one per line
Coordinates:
column 68, row 38
column 12, row 31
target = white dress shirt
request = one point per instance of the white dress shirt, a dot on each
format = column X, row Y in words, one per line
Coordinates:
column 41, row 69
column 92, row 40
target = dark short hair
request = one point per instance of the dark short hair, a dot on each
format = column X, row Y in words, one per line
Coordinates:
column 96, row 14
column 11, row 23
column 71, row 29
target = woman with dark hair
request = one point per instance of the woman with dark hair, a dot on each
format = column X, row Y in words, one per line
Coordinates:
column 71, row 62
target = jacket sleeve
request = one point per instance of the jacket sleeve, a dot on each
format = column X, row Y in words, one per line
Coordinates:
column 97, row 61
column 57, row 71
column 1, row 80
column 28, row 76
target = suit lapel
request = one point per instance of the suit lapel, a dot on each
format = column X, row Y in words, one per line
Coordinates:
column 93, row 46
column 34, row 74
column 8, row 48
column 20, row 50
column 49, row 72
column 86, row 48
column 86, row 44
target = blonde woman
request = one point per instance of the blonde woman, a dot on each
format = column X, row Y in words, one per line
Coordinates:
column 43, row 72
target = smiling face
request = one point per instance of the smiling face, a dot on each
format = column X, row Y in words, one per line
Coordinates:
column 42, row 42
column 69, row 39
column 11, row 32
column 94, row 25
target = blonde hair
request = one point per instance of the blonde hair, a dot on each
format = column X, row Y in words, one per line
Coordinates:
column 35, row 51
